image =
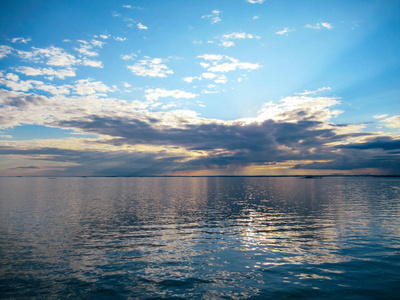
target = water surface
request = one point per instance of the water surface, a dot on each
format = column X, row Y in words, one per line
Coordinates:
column 200, row 238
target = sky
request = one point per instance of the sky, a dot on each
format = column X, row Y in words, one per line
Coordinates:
column 190, row 87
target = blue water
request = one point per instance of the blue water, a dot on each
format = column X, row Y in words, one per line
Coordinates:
column 200, row 238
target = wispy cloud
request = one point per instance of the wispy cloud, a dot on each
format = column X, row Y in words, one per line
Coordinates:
column 307, row 92
column 226, row 39
column 285, row 31
column 380, row 116
column 320, row 25
column 213, row 17
column 21, row 40
column 5, row 50
column 255, row 1
column 228, row 63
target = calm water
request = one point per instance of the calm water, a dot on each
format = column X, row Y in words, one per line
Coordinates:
column 200, row 238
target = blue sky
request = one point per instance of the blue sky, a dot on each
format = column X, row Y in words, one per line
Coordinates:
column 184, row 87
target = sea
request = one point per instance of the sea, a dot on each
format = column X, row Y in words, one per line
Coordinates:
column 200, row 238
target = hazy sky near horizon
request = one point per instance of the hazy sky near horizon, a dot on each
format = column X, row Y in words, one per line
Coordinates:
column 210, row 87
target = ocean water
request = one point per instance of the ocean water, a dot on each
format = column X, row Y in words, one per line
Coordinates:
column 200, row 238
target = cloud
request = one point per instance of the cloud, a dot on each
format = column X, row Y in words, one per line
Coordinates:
column 255, row 1
column 13, row 82
column 5, row 50
column 213, row 17
column 285, row 31
column 53, row 56
column 218, row 78
column 21, row 40
column 228, row 64
column 92, row 63
column 155, row 94
column 141, row 26
column 392, row 122
column 226, row 38
column 119, row 39
column 380, row 116
column 296, row 129
column 128, row 57
column 217, row 63
column 320, row 25
column 85, row 49
column 89, row 87
column 150, row 67
column 61, row 73
column 306, row 92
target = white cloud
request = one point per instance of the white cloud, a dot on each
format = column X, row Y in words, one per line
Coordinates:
column 13, row 82
column 211, row 57
column 320, row 26
column 221, row 79
column 21, row 40
column 92, row 63
column 380, row 116
column 218, row 78
column 155, row 94
column 256, row 17
column 128, row 57
column 141, row 26
column 89, row 87
column 392, row 122
column 151, row 67
column 104, row 36
column 208, row 75
column 62, row 73
column 85, row 49
column 327, row 25
column 55, row 56
column 204, row 65
column 227, row 44
column 255, row 1
column 119, row 39
column 213, row 17
column 232, row 65
column 239, row 35
column 285, row 31
column 226, row 38
column 317, row 108
column 97, row 43
column 189, row 79
column 220, row 64
column 306, row 92
column 12, row 77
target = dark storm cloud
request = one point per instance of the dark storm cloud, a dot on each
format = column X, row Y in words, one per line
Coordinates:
column 266, row 136
column 386, row 143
